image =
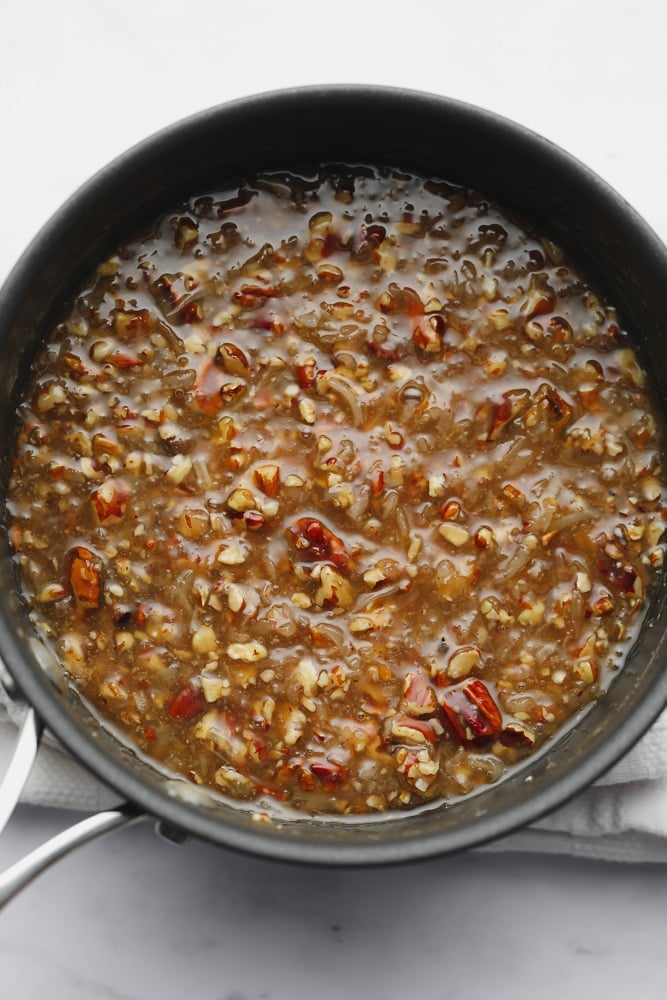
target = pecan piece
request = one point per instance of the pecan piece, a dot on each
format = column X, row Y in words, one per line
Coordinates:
column 418, row 695
column 513, row 403
column 306, row 372
column 516, row 735
column 233, row 360
column 267, row 477
column 85, row 577
column 540, row 297
column 470, row 712
column 188, row 703
column 619, row 574
column 131, row 322
column 250, row 296
column 110, row 501
column 254, row 520
column 406, row 729
column 122, row 360
column 427, row 334
column 404, row 301
column 329, row 773
column 208, row 387
column 315, row 542
column 334, row 590
column 463, row 661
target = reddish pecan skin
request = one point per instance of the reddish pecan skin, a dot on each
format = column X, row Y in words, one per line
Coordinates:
column 316, row 542
column 85, row 577
column 470, row 712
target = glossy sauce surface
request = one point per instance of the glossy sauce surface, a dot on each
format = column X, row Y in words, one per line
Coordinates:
column 342, row 490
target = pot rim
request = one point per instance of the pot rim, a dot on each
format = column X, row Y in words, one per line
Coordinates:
column 277, row 843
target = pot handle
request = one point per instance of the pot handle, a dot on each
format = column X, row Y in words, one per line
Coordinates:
column 20, row 765
column 21, row 873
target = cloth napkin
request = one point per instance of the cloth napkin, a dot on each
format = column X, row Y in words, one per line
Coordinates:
column 623, row 817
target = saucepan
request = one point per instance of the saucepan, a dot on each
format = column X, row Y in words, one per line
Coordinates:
column 284, row 130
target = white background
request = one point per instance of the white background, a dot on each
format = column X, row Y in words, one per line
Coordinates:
column 131, row 917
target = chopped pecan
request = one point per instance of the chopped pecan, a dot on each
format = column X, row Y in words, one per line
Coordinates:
column 130, row 322
column 315, row 543
column 427, row 334
column 329, row 773
column 187, row 704
column 515, row 734
column 267, row 477
column 407, row 729
column 418, row 695
column 548, row 403
column 233, row 360
column 540, row 297
column 305, row 372
column 470, row 712
column 85, row 577
column 513, row 403
column 618, row 573
column 463, row 661
column 250, row 296
column 208, row 386
column 405, row 301
column 334, row 590
column 254, row 520
column 110, row 501
column 119, row 359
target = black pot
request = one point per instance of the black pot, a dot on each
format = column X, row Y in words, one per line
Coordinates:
column 519, row 170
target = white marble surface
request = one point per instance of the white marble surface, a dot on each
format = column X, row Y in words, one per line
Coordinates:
column 130, row 916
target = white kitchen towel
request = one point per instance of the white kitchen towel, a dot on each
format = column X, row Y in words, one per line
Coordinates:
column 623, row 817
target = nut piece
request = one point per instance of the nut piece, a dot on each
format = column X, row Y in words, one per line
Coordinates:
column 307, row 411
column 305, row 674
column 533, row 611
column 240, row 500
column 586, row 671
column 405, row 729
column 334, row 590
column 454, row 534
column 427, row 334
column 463, row 661
column 329, row 773
column 232, row 554
column 110, row 501
column 235, row 597
column 50, row 593
column 361, row 624
column 484, row 537
column 193, row 522
column 305, row 372
column 249, row 652
column 418, row 696
column 470, row 712
column 233, row 360
column 267, row 478
column 294, row 725
column 618, row 573
column 515, row 734
column 187, row 704
column 204, row 640
column 450, row 510
column 85, row 577
column 315, row 542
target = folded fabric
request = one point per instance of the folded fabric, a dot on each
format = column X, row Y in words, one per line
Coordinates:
column 623, row 817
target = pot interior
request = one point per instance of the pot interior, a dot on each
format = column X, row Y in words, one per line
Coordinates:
column 295, row 131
